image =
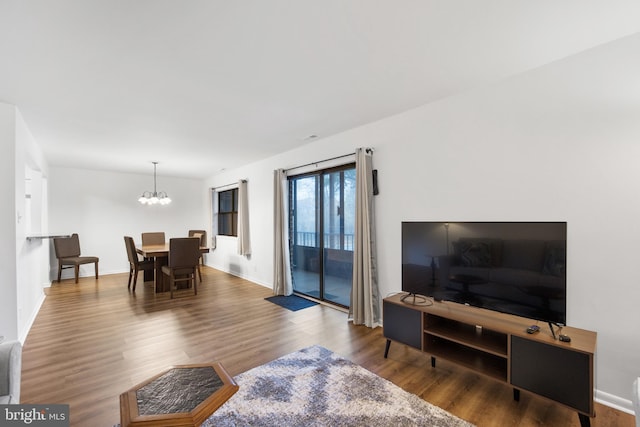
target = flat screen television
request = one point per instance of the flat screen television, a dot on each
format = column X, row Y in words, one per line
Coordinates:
column 511, row 267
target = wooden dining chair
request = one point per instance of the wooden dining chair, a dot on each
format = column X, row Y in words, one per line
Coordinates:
column 68, row 254
column 202, row 235
column 184, row 257
column 135, row 265
column 153, row 238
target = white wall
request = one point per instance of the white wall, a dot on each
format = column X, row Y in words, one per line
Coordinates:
column 102, row 207
column 8, row 288
column 558, row 143
column 32, row 255
column 21, row 260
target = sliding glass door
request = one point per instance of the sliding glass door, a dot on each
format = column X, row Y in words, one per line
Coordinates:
column 322, row 218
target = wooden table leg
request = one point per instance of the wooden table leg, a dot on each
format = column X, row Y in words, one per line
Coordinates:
column 148, row 275
column 158, row 279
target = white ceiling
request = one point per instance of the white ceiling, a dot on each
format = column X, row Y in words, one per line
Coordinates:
column 204, row 85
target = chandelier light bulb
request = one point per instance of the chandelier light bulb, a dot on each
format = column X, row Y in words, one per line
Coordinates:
column 153, row 198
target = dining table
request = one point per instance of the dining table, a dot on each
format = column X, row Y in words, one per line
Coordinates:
column 160, row 256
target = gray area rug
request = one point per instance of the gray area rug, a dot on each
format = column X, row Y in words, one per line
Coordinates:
column 316, row 387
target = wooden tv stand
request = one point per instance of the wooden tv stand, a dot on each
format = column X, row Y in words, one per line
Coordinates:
column 497, row 345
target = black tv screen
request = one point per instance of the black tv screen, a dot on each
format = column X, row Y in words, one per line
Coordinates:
column 511, row 267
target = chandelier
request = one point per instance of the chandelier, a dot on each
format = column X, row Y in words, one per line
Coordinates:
column 149, row 198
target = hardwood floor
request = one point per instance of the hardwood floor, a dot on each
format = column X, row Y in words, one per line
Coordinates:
column 94, row 340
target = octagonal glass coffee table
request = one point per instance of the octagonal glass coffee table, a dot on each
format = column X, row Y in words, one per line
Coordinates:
column 183, row 395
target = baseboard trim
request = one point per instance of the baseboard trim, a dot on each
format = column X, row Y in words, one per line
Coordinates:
column 242, row 276
column 68, row 274
column 614, row 402
column 23, row 335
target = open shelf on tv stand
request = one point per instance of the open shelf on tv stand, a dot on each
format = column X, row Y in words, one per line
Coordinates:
column 497, row 346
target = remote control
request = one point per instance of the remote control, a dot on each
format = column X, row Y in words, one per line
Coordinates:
column 564, row 338
column 533, row 329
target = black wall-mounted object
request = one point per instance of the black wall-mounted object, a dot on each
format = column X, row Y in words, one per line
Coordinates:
column 375, row 182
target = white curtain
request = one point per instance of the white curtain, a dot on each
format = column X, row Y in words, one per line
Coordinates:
column 282, row 283
column 365, row 299
column 244, row 244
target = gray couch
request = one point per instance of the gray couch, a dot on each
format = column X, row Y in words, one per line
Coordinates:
column 10, row 369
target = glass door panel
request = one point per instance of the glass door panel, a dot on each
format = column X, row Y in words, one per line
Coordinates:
column 305, row 233
column 338, row 216
column 322, row 218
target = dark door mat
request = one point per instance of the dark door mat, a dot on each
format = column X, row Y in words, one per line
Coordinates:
column 292, row 302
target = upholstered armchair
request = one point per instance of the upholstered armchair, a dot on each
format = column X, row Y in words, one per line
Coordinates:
column 10, row 369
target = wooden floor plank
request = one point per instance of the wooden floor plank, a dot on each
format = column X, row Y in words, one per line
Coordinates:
column 93, row 340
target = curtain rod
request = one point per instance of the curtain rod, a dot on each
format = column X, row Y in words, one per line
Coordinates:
column 369, row 150
column 228, row 185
